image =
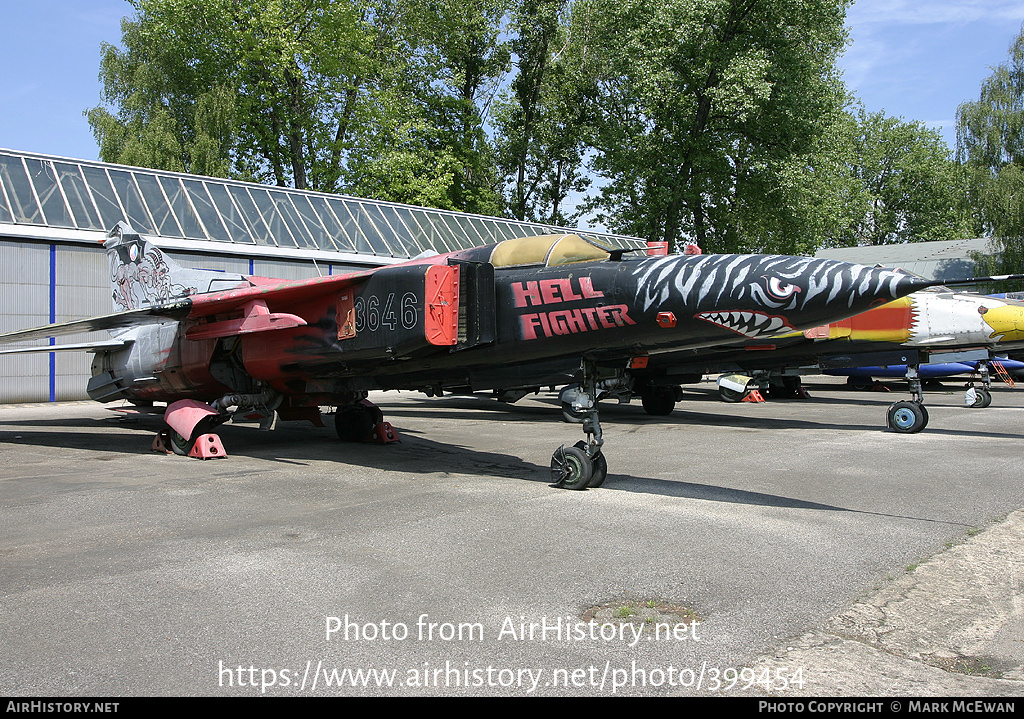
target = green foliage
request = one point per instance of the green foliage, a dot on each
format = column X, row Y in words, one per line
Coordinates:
column 990, row 144
column 716, row 121
column 908, row 188
column 538, row 141
column 710, row 119
column 330, row 95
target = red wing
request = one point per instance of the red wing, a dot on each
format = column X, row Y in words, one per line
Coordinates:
column 250, row 300
column 275, row 292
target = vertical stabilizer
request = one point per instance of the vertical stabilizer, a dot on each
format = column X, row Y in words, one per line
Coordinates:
column 141, row 274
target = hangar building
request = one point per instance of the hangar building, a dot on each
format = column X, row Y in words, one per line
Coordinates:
column 935, row 260
column 55, row 213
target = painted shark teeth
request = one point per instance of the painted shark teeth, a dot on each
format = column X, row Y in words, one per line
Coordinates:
column 748, row 323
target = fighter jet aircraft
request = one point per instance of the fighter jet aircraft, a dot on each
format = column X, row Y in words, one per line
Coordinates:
column 214, row 345
column 934, row 325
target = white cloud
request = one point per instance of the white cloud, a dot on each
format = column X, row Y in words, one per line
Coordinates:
column 925, row 12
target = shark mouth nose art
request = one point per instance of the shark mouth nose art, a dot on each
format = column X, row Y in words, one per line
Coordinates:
column 748, row 323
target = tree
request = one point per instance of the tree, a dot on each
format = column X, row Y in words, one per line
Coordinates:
column 461, row 59
column 990, row 144
column 908, row 188
column 710, row 121
column 540, row 151
column 292, row 92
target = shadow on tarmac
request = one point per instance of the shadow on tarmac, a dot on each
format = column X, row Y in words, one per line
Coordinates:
column 300, row 444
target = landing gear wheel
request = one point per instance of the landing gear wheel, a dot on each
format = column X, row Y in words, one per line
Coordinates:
column 907, row 417
column 600, row 466
column 982, row 397
column 731, row 395
column 179, row 445
column 600, row 471
column 787, row 387
column 571, row 468
column 658, row 401
column 355, row 422
column 859, row 383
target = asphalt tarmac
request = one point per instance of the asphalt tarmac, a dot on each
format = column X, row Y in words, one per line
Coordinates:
column 789, row 548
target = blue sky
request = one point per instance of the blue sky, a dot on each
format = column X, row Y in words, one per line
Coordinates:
column 915, row 59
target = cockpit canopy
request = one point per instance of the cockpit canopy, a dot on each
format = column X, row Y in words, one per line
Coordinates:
column 549, row 250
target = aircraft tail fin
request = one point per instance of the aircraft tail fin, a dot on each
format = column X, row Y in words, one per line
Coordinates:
column 142, row 275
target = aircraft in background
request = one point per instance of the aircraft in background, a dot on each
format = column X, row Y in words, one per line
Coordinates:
column 215, row 345
column 864, row 378
column 935, row 325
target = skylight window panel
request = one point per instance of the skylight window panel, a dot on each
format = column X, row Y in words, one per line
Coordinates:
column 437, row 234
column 79, row 199
column 104, row 196
column 354, row 236
column 279, row 232
column 460, row 235
column 182, row 208
column 166, row 225
column 291, row 219
column 5, row 208
column 131, row 200
column 207, row 211
column 19, row 191
column 402, row 233
column 336, row 239
column 422, row 232
column 375, row 230
column 260, row 232
column 55, row 209
column 238, row 229
column 312, row 222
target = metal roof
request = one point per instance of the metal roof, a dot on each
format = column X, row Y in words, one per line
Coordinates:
column 938, row 260
column 79, row 196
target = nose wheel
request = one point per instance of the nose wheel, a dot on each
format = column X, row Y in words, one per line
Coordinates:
column 977, row 397
column 909, row 416
column 583, row 465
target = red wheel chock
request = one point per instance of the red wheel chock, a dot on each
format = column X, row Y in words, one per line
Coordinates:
column 207, row 446
column 162, row 443
column 753, row 396
column 384, row 433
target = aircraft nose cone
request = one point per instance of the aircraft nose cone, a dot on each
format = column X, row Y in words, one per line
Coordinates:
column 767, row 295
column 1006, row 321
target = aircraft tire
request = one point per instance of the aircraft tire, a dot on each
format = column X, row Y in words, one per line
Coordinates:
column 982, row 398
column 658, row 401
column 730, row 395
column 354, row 423
column 906, row 417
column 179, row 445
column 600, row 467
column 787, row 387
column 600, row 472
column 571, row 468
column 859, row 383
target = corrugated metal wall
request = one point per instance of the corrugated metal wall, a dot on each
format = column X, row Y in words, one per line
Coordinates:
column 42, row 283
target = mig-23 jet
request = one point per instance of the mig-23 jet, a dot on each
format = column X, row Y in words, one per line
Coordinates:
column 212, row 345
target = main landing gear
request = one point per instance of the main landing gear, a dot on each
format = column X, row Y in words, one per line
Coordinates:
column 979, row 397
column 583, row 465
column 363, row 421
column 907, row 417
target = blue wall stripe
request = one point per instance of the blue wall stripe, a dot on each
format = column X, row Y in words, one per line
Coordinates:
column 53, row 318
